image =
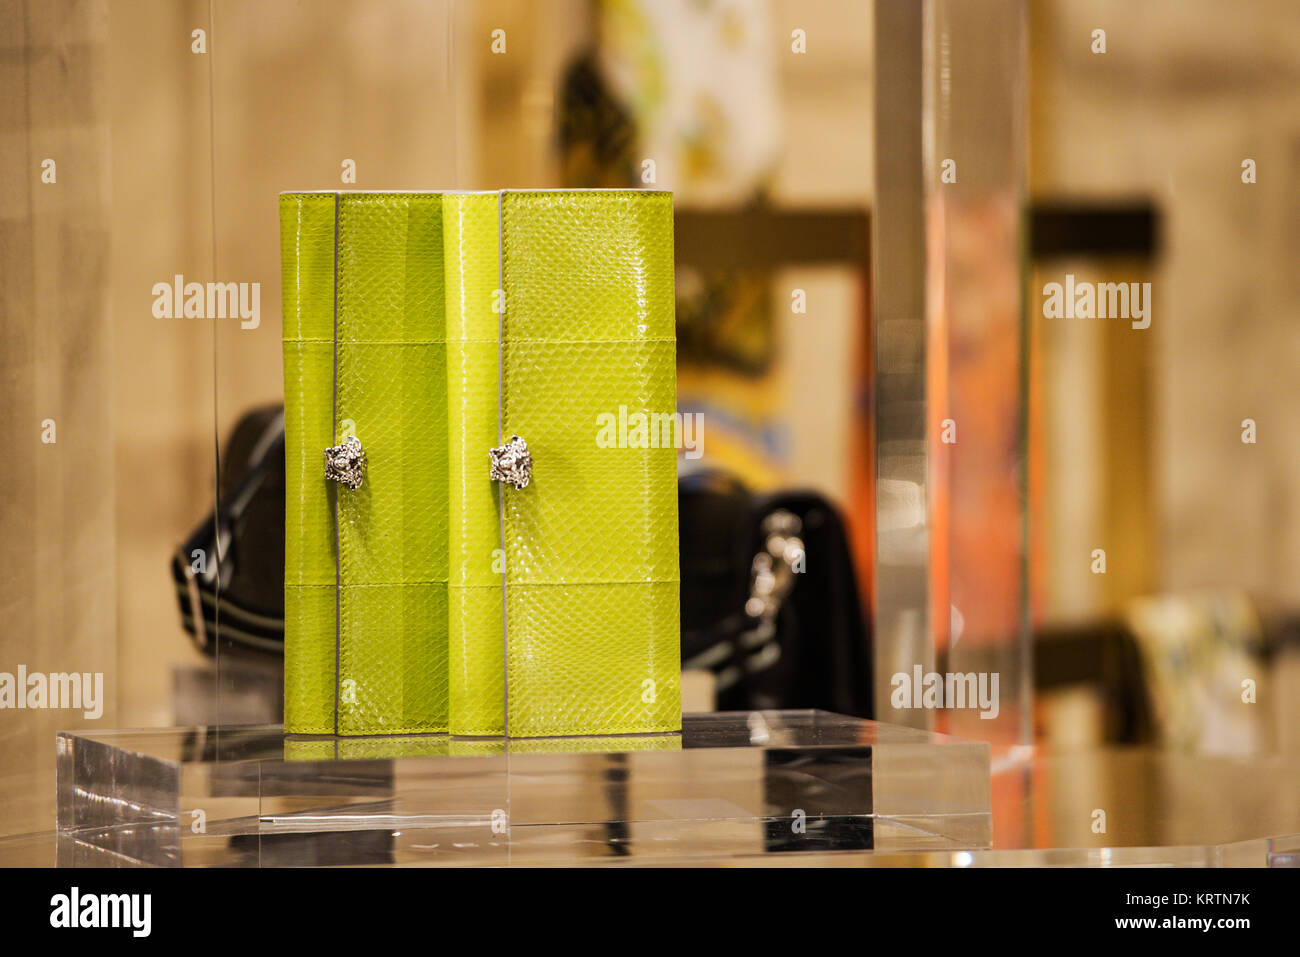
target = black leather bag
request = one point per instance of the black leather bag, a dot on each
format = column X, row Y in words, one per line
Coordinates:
column 770, row 600
column 229, row 573
column 769, row 596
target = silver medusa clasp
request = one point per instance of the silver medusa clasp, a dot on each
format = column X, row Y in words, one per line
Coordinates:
column 511, row 463
column 346, row 463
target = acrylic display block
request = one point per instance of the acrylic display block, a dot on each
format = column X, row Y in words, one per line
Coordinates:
column 731, row 785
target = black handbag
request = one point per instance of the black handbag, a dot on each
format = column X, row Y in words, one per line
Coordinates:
column 769, row 596
column 229, row 573
column 770, row 599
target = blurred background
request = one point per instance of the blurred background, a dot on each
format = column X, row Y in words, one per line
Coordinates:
column 838, row 306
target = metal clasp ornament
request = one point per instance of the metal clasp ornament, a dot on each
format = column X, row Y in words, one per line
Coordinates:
column 511, row 463
column 346, row 463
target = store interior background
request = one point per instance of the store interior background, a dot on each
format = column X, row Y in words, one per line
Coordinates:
column 173, row 163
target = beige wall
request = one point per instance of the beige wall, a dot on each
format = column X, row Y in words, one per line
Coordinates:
column 1184, row 92
column 826, row 161
column 162, row 387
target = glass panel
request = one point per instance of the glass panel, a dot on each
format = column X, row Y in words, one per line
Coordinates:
column 58, row 544
column 974, row 145
column 953, row 641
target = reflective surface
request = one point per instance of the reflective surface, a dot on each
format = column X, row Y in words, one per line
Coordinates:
column 731, row 785
column 723, row 793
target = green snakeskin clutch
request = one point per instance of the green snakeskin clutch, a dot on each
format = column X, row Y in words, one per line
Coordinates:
column 421, row 331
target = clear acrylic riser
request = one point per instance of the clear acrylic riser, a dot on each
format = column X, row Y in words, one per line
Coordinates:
column 731, row 785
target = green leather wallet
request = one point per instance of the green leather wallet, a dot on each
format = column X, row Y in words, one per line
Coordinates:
column 433, row 341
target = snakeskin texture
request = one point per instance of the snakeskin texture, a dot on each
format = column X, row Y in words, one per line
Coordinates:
column 395, row 620
column 365, row 569
column 476, row 656
column 383, row 748
column 596, row 744
column 310, row 576
column 392, row 532
column 591, row 545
